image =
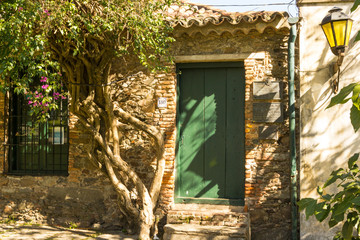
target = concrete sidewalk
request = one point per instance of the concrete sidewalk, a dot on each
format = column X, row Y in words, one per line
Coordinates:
column 26, row 232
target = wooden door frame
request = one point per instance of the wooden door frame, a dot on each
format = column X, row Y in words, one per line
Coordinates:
column 220, row 201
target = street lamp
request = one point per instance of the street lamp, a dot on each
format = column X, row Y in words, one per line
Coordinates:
column 337, row 28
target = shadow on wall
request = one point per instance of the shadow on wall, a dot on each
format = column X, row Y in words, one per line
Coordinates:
column 327, row 136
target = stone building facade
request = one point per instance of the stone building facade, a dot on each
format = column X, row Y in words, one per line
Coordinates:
column 86, row 198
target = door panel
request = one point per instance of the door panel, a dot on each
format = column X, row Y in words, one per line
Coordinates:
column 214, row 172
column 192, row 133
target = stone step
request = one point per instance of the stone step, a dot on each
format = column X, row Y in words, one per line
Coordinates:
column 211, row 219
column 197, row 232
column 208, row 208
column 208, row 215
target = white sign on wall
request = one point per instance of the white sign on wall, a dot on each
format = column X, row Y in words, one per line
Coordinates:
column 162, row 102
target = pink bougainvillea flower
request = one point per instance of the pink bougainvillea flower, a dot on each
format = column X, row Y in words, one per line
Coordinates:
column 20, row 9
column 62, row 97
column 30, row 102
column 44, row 86
column 43, row 79
column 47, row 12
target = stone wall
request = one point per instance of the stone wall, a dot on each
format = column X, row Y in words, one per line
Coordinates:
column 86, row 198
column 267, row 192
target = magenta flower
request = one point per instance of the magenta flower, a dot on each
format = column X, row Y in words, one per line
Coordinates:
column 43, row 79
column 62, row 97
column 20, row 9
column 47, row 12
column 44, row 86
column 30, row 102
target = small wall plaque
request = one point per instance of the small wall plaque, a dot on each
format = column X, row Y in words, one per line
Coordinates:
column 267, row 112
column 268, row 132
column 267, row 91
column 162, row 102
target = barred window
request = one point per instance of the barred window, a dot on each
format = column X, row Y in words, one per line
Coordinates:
column 37, row 149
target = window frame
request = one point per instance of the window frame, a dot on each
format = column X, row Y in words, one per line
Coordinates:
column 46, row 158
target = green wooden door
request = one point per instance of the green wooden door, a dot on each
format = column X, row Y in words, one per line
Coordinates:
column 210, row 153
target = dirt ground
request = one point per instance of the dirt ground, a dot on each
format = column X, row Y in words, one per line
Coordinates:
column 26, row 232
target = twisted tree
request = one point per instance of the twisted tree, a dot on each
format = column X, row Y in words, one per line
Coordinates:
column 76, row 43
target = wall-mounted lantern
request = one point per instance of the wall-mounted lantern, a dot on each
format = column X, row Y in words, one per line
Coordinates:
column 337, row 28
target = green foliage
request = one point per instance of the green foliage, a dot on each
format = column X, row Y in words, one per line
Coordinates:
column 353, row 8
column 357, row 38
column 342, row 205
column 40, row 38
column 72, row 225
column 343, row 97
column 356, row 4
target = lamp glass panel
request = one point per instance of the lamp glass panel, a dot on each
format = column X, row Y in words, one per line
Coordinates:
column 329, row 34
column 348, row 32
column 340, row 32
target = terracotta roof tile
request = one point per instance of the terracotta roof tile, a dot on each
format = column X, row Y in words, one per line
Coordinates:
column 188, row 14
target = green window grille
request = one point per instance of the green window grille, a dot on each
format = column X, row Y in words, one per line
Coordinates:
column 37, row 149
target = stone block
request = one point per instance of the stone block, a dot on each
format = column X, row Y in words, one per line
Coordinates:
column 3, row 181
column 196, row 232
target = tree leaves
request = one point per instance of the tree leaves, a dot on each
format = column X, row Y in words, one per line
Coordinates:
column 335, row 175
column 309, row 204
column 40, row 37
column 340, row 98
column 356, row 4
column 357, row 38
column 356, row 96
column 305, row 202
column 322, row 210
column 353, row 160
column 355, row 118
column 347, row 230
column 345, row 202
column 353, row 8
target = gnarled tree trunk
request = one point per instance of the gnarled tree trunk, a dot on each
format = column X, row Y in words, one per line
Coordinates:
column 94, row 94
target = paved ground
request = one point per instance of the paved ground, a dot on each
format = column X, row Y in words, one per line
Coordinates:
column 26, row 232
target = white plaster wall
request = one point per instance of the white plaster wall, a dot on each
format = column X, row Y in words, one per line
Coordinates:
column 327, row 138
